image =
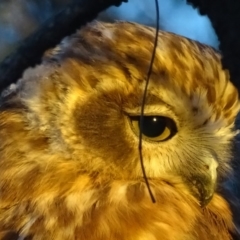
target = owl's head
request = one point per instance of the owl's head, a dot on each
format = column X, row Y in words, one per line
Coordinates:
column 78, row 114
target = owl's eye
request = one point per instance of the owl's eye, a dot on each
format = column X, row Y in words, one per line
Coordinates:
column 154, row 128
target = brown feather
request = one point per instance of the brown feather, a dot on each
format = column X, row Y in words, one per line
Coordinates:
column 69, row 164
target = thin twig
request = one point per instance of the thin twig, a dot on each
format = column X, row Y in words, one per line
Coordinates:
column 144, row 100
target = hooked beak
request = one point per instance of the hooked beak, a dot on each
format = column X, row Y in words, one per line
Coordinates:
column 203, row 184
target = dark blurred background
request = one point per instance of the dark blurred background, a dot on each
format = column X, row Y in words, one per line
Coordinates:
column 19, row 18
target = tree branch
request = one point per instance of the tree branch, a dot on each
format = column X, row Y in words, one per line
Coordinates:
column 224, row 15
column 49, row 35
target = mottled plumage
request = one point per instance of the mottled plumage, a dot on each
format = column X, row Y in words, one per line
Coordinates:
column 69, row 160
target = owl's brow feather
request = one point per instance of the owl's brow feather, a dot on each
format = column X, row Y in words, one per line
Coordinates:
column 144, row 100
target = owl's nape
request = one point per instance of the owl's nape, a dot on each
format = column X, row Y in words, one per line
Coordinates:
column 69, row 129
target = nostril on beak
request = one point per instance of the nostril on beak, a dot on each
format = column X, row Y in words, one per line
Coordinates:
column 212, row 166
column 206, row 167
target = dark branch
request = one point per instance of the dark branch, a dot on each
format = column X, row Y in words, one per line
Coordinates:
column 225, row 18
column 49, row 35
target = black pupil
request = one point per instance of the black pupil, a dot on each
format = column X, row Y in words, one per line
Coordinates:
column 153, row 126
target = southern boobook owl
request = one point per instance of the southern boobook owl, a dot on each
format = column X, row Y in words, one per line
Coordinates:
column 69, row 130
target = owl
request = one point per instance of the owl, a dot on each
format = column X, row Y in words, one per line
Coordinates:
column 69, row 130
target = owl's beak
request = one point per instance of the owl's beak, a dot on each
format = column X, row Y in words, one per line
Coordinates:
column 203, row 184
column 203, row 189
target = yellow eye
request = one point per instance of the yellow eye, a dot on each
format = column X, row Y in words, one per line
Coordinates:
column 154, row 128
